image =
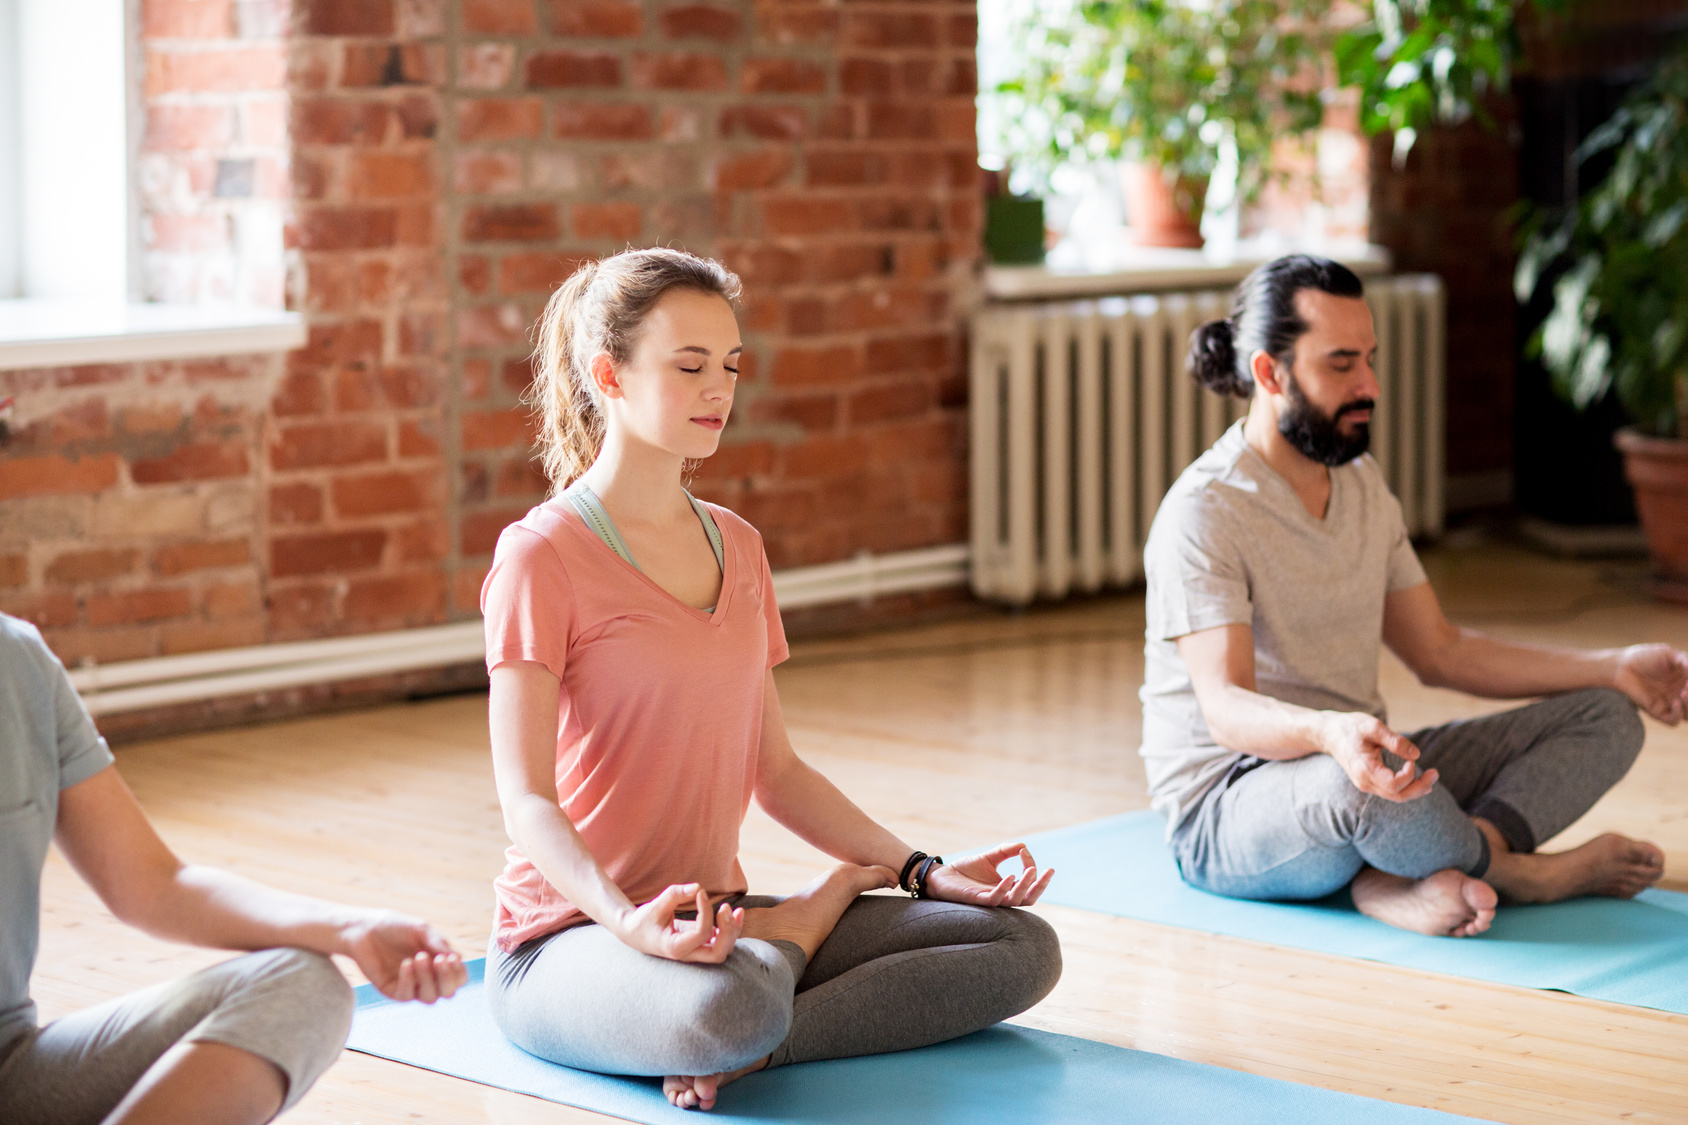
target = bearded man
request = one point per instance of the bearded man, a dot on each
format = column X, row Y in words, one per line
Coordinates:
column 1277, row 566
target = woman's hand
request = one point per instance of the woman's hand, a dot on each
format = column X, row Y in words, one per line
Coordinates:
column 974, row 879
column 652, row 928
column 405, row 958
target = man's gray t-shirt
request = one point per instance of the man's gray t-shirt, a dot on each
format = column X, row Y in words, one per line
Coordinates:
column 47, row 743
column 1232, row 544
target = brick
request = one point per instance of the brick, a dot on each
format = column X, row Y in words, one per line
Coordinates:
column 14, row 570
column 891, row 30
column 292, row 504
column 474, row 273
column 679, row 72
column 816, row 413
column 419, row 117
column 187, row 19
column 385, row 175
column 339, row 121
column 344, row 342
column 518, row 375
column 75, row 567
column 499, row 17
column 419, row 439
column 181, row 128
column 45, row 610
column 496, row 429
column 425, row 540
column 750, row 170
column 348, row 228
column 326, row 553
column 221, row 601
column 894, row 401
column 487, row 173
column 821, row 456
column 859, row 76
column 202, row 72
column 389, row 64
column 491, row 326
column 54, row 474
column 782, row 123
column 547, row 70
column 901, row 120
column 920, row 352
column 602, row 121
column 597, row 19
column 206, row 636
column 300, row 609
column 846, row 167
column 182, row 558
column 485, row 66
column 618, row 222
column 132, row 607
column 480, row 530
column 498, row 119
column 807, row 366
column 347, row 17
column 701, row 21
column 741, row 459
column 196, row 461
column 409, row 598
column 803, row 215
column 535, row 272
column 782, row 76
column 521, row 476
column 518, row 222
column 319, row 444
column 382, row 494
column 388, row 388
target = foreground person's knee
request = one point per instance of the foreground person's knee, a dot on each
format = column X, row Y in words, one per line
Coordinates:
column 744, row 1017
column 1618, row 719
column 1035, row 968
column 291, row 1007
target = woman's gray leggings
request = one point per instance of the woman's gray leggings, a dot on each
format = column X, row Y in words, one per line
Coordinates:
column 895, row 973
column 1298, row 829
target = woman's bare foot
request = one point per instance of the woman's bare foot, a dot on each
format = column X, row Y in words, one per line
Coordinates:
column 698, row 1091
column 1447, row 904
column 807, row 917
column 1611, row 865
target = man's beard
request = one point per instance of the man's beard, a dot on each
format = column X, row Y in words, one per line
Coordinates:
column 1317, row 435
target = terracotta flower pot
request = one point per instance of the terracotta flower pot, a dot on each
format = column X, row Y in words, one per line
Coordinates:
column 1658, row 470
column 1163, row 211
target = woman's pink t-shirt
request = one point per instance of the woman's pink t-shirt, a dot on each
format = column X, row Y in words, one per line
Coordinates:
column 659, row 717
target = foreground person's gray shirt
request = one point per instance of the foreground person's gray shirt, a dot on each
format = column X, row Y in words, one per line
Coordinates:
column 1232, row 544
column 47, row 743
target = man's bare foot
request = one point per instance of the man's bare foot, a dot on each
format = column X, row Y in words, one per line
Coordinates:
column 807, row 917
column 1447, row 904
column 1611, row 865
column 698, row 1091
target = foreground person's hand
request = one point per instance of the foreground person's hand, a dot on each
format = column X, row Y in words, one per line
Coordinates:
column 1358, row 741
column 405, row 958
column 1656, row 677
column 974, row 879
column 652, row 928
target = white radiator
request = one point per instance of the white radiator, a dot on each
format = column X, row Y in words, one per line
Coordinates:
column 1083, row 414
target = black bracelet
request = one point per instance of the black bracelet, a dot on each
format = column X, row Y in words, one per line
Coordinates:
column 908, row 867
column 918, row 890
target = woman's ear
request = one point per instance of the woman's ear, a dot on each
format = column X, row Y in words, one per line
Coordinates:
column 604, row 375
column 1265, row 371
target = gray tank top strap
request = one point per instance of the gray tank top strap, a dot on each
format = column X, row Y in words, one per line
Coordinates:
column 591, row 509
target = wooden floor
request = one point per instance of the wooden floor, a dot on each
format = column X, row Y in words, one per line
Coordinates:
column 952, row 735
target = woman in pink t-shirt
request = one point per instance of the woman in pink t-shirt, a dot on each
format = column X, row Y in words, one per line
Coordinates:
column 631, row 635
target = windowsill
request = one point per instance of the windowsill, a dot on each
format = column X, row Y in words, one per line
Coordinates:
column 41, row 333
column 1070, row 272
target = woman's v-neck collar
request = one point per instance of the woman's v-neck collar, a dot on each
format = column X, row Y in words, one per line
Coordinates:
column 729, row 564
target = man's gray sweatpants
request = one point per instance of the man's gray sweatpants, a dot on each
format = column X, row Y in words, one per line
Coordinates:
column 1298, row 829
column 895, row 973
column 287, row 1006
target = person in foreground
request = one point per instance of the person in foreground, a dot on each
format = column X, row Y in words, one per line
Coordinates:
column 1276, row 565
column 631, row 637
column 234, row 1044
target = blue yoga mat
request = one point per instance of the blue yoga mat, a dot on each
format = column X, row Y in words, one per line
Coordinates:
column 1004, row 1076
column 1629, row 951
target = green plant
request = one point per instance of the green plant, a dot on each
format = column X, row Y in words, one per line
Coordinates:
column 1165, row 81
column 1617, row 263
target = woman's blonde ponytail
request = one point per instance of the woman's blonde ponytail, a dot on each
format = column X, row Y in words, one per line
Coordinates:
column 600, row 309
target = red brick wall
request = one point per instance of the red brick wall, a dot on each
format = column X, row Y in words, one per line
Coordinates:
column 440, row 166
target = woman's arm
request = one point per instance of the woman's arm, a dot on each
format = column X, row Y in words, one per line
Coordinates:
column 796, row 795
column 522, row 714
column 108, row 840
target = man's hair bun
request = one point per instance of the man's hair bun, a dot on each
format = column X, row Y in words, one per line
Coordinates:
column 1213, row 359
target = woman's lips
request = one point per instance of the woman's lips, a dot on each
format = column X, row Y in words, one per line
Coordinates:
column 711, row 421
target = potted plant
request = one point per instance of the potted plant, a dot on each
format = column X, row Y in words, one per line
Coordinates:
column 1165, row 86
column 1617, row 264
